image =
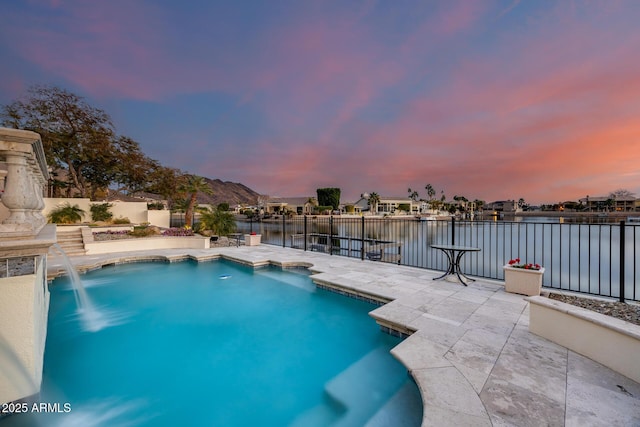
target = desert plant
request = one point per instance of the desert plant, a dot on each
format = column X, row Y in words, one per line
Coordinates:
column 66, row 214
column 100, row 212
column 219, row 222
column 141, row 231
column 121, row 220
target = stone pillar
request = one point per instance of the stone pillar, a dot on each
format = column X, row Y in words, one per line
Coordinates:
column 18, row 189
column 26, row 175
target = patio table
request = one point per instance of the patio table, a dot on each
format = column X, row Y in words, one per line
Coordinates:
column 454, row 255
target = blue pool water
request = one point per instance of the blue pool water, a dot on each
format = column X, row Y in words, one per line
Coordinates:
column 218, row 344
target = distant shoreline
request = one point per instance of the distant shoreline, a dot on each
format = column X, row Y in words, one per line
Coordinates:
column 556, row 214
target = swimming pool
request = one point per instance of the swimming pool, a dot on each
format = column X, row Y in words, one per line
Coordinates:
column 222, row 344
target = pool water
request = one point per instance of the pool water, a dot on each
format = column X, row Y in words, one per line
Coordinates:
column 218, row 344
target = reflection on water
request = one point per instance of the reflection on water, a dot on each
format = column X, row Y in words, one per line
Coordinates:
column 578, row 253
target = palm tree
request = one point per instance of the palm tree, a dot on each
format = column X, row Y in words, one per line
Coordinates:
column 373, row 201
column 192, row 185
column 430, row 191
column 413, row 195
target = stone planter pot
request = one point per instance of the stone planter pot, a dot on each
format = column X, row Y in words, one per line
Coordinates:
column 252, row 239
column 522, row 281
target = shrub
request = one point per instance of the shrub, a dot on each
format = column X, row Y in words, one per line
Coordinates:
column 406, row 207
column 66, row 214
column 224, row 207
column 322, row 209
column 329, row 197
column 155, row 206
column 219, row 222
column 142, row 231
column 121, row 220
column 100, row 212
column 177, row 232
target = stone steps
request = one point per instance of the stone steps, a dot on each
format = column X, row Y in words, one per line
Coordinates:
column 71, row 242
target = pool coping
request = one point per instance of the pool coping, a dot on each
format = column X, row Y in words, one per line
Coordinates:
column 467, row 368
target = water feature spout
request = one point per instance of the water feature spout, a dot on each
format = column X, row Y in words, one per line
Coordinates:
column 92, row 319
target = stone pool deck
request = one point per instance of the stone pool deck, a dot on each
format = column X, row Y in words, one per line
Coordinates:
column 470, row 350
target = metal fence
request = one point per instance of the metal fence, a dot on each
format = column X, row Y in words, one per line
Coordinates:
column 598, row 259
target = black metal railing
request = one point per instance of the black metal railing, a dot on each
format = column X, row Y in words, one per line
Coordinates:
column 599, row 259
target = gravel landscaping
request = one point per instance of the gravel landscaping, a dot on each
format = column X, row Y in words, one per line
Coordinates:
column 624, row 311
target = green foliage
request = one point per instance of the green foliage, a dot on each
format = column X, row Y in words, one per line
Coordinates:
column 218, row 221
column 406, row 207
column 224, row 207
column 322, row 209
column 350, row 208
column 373, row 201
column 142, row 231
column 66, row 214
column 100, row 212
column 82, row 140
column 155, row 206
column 329, row 197
column 121, row 220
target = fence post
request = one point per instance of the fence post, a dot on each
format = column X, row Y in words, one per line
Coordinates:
column 453, row 230
column 622, row 245
column 330, row 235
column 305, row 232
column 284, row 237
column 362, row 239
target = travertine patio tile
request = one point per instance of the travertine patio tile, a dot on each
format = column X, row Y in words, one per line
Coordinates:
column 473, row 361
column 500, row 305
column 534, row 364
column 396, row 313
column 436, row 331
column 418, row 352
column 420, row 298
column 447, row 389
column 470, row 297
column 497, row 324
column 511, row 405
column 453, row 309
column 444, row 417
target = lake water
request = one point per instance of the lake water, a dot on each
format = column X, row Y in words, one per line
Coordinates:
column 577, row 256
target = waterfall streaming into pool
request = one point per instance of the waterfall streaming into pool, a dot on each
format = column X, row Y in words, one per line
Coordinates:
column 219, row 344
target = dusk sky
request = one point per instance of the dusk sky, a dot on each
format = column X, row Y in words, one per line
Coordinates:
column 488, row 99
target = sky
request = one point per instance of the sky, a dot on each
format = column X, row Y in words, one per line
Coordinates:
column 487, row 99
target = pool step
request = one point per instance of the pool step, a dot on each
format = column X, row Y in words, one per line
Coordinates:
column 403, row 409
column 299, row 281
column 362, row 389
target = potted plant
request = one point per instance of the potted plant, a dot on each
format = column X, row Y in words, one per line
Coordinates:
column 252, row 239
column 523, row 278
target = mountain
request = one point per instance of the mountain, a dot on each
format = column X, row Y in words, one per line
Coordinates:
column 230, row 192
column 233, row 193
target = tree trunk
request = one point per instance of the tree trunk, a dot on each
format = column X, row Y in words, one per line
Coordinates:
column 189, row 213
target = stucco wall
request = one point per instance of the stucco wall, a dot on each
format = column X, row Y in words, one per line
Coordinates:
column 136, row 211
column 52, row 204
column 159, row 218
column 147, row 243
column 24, row 307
